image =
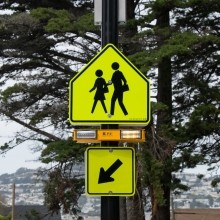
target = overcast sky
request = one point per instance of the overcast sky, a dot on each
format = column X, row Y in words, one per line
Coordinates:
column 20, row 156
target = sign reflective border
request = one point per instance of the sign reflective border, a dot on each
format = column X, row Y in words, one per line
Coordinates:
column 110, row 171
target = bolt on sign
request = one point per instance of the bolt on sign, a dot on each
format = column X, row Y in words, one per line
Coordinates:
column 110, row 171
column 109, row 90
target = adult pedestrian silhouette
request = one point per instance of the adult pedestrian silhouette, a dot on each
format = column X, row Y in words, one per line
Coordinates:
column 100, row 86
column 118, row 81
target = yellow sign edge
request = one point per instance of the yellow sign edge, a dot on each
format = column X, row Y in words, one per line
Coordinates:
column 113, row 194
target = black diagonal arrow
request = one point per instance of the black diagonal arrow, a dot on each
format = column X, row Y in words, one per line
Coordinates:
column 105, row 176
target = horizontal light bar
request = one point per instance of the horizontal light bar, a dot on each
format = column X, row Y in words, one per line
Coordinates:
column 96, row 136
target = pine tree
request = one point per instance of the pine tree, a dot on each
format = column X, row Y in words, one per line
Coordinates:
column 175, row 43
column 182, row 55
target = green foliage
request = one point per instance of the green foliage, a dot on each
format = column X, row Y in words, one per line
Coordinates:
column 63, row 21
column 187, row 159
column 215, row 182
column 4, row 146
column 33, row 215
column 153, row 170
column 177, row 186
column 63, row 186
column 203, row 121
column 179, row 43
column 5, row 217
column 85, row 23
column 63, row 151
column 39, row 116
column 15, row 90
column 63, row 190
column 157, row 106
column 200, row 176
column 54, row 20
column 144, row 60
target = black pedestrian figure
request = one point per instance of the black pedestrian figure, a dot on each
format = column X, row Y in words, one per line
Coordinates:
column 117, row 80
column 101, row 88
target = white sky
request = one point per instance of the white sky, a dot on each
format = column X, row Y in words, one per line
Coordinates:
column 20, row 156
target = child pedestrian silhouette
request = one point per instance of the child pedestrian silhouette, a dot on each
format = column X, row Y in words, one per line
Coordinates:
column 100, row 86
column 118, row 81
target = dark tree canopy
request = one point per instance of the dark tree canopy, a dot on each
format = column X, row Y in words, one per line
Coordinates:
column 35, row 56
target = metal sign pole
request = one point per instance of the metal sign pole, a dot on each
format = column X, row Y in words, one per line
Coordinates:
column 109, row 22
column 109, row 204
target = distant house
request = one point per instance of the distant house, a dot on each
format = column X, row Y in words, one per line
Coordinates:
column 196, row 214
column 27, row 212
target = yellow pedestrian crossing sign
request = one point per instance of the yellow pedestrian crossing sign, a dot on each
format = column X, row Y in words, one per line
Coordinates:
column 109, row 90
column 110, row 171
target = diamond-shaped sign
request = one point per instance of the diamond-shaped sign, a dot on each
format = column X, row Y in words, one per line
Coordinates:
column 109, row 90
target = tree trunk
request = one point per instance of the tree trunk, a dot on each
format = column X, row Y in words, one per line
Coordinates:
column 123, row 209
column 164, row 120
column 129, row 30
column 135, row 208
column 134, row 204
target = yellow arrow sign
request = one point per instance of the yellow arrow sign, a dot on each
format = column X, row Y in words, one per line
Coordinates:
column 109, row 90
column 110, row 171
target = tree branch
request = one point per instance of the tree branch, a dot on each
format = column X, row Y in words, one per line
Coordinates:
column 37, row 130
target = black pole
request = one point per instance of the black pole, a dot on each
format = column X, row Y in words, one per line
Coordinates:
column 109, row 22
column 110, row 204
